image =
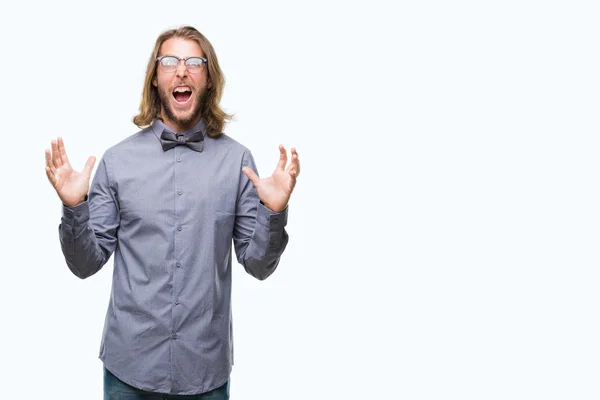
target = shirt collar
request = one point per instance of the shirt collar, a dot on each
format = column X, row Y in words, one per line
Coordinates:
column 158, row 126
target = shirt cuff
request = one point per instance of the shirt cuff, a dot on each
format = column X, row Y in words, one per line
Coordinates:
column 270, row 219
column 77, row 215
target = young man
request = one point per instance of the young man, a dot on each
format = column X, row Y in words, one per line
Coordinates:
column 169, row 201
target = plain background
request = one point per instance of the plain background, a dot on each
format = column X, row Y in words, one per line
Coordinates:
column 444, row 230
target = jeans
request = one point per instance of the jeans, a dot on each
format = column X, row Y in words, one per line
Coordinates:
column 115, row 389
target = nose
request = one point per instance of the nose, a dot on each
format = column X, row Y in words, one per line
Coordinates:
column 181, row 69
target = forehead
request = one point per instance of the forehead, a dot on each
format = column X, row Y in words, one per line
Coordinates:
column 180, row 47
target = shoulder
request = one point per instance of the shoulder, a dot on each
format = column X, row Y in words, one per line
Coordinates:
column 132, row 141
column 226, row 144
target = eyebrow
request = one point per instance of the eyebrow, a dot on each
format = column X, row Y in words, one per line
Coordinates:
column 173, row 55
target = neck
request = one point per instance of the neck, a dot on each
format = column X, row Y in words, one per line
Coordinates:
column 177, row 127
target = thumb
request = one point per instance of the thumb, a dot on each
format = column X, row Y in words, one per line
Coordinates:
column 251, row 175
column 89, row 166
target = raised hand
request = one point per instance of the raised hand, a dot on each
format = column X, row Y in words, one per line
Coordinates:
column 70, row 185
column 275, row 191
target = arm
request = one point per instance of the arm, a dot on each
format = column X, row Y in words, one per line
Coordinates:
column 259, row 234
column 88, row 231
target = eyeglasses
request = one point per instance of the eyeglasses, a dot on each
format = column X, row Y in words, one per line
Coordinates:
column 193, row 64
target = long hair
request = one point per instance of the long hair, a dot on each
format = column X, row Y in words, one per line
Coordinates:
column 212, row 114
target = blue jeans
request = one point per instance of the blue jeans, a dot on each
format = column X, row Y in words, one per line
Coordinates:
column 116, row 389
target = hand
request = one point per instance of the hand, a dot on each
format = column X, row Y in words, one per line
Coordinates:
column 275, row 191
column 71, row 186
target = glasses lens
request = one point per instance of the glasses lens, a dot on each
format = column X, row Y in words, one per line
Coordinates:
column 194, row 64
column 169, row 63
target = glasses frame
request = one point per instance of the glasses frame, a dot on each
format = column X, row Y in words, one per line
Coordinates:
column 185, row 59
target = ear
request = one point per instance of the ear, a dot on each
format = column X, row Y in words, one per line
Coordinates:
column 209, row 84
column 155, row 82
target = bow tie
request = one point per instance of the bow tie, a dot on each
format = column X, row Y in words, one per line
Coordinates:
column 194, row 140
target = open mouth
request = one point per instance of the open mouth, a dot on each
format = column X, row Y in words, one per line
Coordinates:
column 182, row 94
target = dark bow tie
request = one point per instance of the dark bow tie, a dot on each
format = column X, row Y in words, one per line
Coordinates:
column 194, row 140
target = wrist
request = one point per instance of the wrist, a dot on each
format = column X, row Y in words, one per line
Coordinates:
column 273, row 208
column 75, row 204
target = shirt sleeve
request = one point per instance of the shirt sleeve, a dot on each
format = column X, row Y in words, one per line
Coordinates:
column 259, row 234
column 88, row 231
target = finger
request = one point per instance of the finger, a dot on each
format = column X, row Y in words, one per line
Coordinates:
column 295, row 164
column 292, row 182
column 89, row 166
column 55, row 155
column 49, row 161
column 251, row 175
column 62, row 151
column 50, row 176
column 282, row 157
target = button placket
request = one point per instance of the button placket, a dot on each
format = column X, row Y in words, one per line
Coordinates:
column 176, row 278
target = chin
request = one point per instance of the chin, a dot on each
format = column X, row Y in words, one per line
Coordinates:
column 181, row 116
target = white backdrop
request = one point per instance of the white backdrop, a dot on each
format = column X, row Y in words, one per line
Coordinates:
column 443, row 232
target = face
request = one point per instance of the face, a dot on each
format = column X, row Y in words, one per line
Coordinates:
column 181, row 92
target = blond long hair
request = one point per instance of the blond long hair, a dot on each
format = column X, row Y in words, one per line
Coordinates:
column 212, row 114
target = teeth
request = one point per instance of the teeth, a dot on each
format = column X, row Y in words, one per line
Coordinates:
column 182, row 89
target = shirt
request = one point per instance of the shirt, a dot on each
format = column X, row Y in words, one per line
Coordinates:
column 170, row 217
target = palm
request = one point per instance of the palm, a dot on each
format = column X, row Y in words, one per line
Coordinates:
column 70, row 185
column 275, row 191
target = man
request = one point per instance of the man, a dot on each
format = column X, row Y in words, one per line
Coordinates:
column 169, row 201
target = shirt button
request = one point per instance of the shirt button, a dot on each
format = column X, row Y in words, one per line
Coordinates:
column 79, row 213
column 174, row 336
column 176, row 301
column 179, row 228
column 178, row 159
column 180, row 192
column 178, row 265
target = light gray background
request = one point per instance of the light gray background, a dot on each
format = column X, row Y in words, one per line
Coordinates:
column 444, row 230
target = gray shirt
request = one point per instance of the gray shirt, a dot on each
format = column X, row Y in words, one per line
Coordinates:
column 170, row 218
